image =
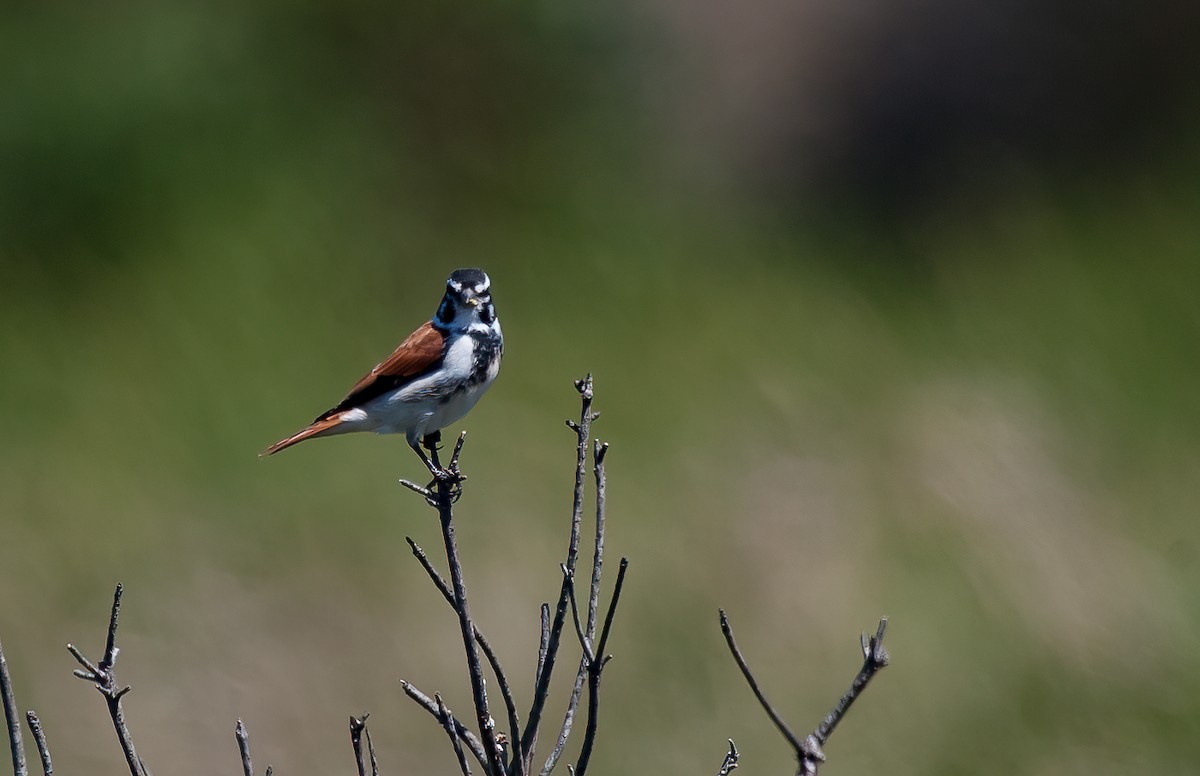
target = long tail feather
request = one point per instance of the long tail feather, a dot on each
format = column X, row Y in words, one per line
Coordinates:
column 320, row 428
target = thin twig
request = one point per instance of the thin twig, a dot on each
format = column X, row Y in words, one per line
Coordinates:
column 762, row 699
column 875, row 657
column 16, row 746
column 599, row 451
column 541, row 693
column 809, row 753
column 468, row 738
column 584, row 641
column 447, row 722
column 543, row 642
column 730, row 762
column 446, row 496
column 39, row 737
column 612, row 606
column 110, row 643
column 425, row 493
column 357, row 726
column 595, row 669
column 560, row 743
column 583, row 430
column 485, row 646
column 105, row 679
column 370, row 752
column 243, row 742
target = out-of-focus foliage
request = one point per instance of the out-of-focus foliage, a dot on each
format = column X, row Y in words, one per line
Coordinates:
column 889, row 313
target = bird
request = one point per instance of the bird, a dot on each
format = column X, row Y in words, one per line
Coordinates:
column 430, row 381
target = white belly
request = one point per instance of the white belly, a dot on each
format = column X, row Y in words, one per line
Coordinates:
column 431, row 402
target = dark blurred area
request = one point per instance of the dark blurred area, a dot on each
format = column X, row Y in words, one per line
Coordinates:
column 891, row 310
column 902, row 106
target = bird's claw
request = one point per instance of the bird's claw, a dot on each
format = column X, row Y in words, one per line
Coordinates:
column 449, row 476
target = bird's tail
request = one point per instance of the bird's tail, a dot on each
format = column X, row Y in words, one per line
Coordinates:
column 323, row 427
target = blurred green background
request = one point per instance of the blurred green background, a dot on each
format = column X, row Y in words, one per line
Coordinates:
column 892, row 310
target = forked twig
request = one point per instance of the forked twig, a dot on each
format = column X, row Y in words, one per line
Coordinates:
column 875, row 657
column 441, row 494
column 105, row 680
column 448, row 487
column 809, row 752
column 470, row 739
column 593, row 659
column 485, row 646
column 553, row 639
column 595, row 668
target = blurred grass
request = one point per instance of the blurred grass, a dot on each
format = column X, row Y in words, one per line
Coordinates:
column 982, row 424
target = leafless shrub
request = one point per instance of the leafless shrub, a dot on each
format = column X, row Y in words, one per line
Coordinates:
column 498, row 753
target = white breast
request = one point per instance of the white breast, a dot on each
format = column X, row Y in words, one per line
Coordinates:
column 435, row 400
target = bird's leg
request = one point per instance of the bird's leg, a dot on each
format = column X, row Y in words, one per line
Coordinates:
column 434, row 469
column 432, row 443
column 450, row 474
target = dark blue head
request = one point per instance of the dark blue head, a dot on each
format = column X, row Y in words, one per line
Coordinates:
column 468, row 298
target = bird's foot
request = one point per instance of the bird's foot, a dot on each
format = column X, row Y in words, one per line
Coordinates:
column 448, row 476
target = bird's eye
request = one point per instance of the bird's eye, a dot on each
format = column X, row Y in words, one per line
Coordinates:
column 445, row 312
column 487, row 313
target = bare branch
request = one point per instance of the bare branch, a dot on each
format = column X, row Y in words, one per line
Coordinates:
column 583, row 430
column 730, row 762
column 543, row 643
column 110, row 644
column 16, row 746
column 243, row 742
column 105, row 680
column 468, row 738
column 485, row 646
column 593, row 658
column 595, row 668
column 809, row 753
column 447, row 722
column 612, row 606
column 445, row 506
column 425, row 493
column 448, row 488
column 39, row 737
column 599, row 451
column 875, row 657
column 357, row 726
column 762, row 699
column 568, row 719
column 370, row 752
column 584, row 641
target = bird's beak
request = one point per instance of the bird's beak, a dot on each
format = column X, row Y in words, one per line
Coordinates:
column 473, row 301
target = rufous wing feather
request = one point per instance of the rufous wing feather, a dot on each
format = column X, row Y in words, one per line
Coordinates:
column 319, row 428
column 421, row 352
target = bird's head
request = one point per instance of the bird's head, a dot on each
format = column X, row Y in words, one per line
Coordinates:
column 468, row 300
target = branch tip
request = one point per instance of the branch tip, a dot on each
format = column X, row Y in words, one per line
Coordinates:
column 731, row 760
column 39, row 738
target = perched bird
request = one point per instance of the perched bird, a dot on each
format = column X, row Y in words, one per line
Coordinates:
column 432, row 380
